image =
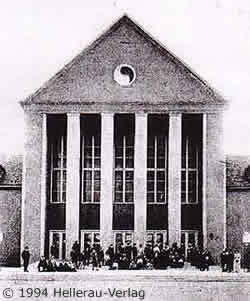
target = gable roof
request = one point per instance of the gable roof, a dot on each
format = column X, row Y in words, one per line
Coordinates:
column 67, row 87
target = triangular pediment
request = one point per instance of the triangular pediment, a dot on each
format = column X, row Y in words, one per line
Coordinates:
column 161, row 78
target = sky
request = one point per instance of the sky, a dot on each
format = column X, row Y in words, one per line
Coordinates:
column 39, row 37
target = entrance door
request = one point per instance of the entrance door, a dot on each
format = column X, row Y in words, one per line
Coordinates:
column 57, row 241
column 89, row 238
column 121, row 238
column 189, row 237
column 156, row 237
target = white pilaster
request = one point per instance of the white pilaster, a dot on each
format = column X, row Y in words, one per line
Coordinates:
column 43, row 182
column 140, row 177
column 174, row 178
column 106, row 206
column 215, row 185
column 73, row 180
column 204, row 180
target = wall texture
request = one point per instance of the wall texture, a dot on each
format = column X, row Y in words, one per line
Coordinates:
column 10, row 211
column 31, row 188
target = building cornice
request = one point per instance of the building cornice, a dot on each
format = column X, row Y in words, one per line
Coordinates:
column 122, row 107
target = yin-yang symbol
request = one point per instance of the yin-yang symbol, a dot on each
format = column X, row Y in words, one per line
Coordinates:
column 124, row 75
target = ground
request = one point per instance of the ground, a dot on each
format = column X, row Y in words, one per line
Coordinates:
column 173, row 284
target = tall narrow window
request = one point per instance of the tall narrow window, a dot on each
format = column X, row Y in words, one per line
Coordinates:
column 157, row 153
column 124, row 158
column 58, row 169
column 189, row 171
column 91, row 158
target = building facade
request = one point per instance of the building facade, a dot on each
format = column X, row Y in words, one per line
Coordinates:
column 10, row 209
column 124, row 144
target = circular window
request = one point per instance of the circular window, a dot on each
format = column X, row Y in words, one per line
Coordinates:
column 124, row 75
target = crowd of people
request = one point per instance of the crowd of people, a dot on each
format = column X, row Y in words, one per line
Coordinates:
column 128, row 257
column 131, row 257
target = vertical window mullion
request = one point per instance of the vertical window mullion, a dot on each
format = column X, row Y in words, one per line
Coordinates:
column 124, row 168
column 93, row 168
column 166, row 167
column 51, row 173
column 197, row 175
column 60, row 245
column 82, row 190
column 155, row 170
column 187, row 186
column 61, row 170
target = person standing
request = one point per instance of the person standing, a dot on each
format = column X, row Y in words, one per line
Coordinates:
column 26, row 258
column 237, row 260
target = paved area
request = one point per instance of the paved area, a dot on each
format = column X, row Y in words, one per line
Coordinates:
column 172, row 284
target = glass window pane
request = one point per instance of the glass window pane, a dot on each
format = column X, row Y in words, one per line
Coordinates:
column 150, row 163
column 183, row 186
column 87, row 175
column 118, row 141
column 118, row 186
column 150, row 175
column 118, row 238
column 150, row 186
column 96, row 197
column 160, row 197
column 151, row 152
column 88, row 163
column 119, row 152
column 88, row 141
column 54, row 248
column 129, row 197
column 161, row 146
column 87, row 196
column 118, row 176
column 160, row 186
column 159, row 238
column 97, row 163
column 98, row 140
column 160, row 175
column 130, row 152
column 150, row 197
column 192, row 155
column 63, row 246
column 118, row 163
column 97, row 152
column 192, row 186
column 183, row 238
column 64, row 196
column 56, row 180
column 87, row 185
column 97, row 175
column 160, row 163
column 97, row 185
column 130, row 140
column 87, row 238
column 118, row 197
column 129, row 175
column 88, row 152
column 129, row 163
column 129, row 186
column 191, row 238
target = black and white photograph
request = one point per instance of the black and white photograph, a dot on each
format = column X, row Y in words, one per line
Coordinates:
column 125, row 152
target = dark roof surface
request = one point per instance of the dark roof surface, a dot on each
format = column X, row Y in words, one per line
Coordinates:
column 88, row 77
